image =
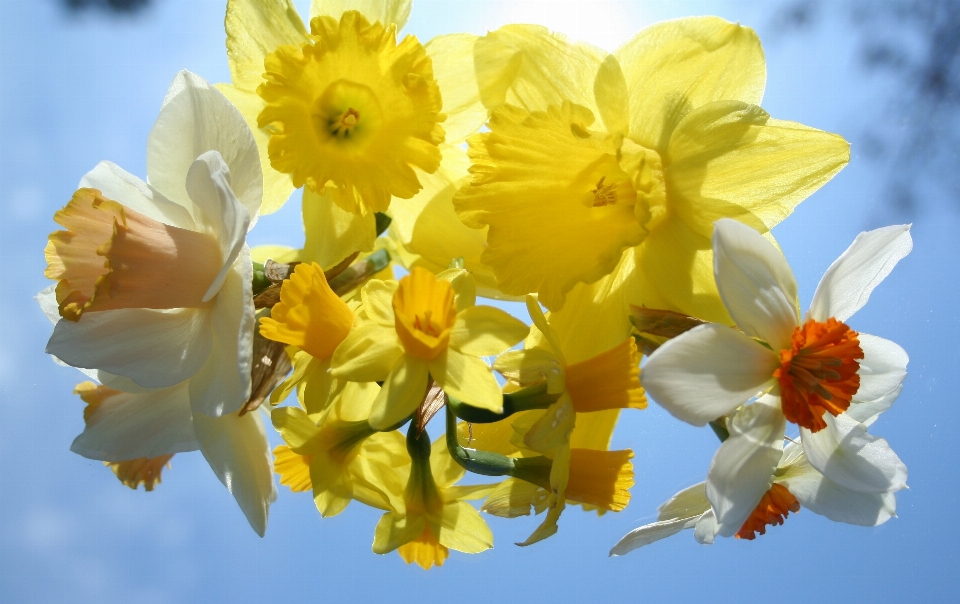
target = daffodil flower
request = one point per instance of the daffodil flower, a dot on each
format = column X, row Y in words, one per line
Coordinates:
column 794, row 485
column 818, row 372
column 606, row 173
column 425, row 326
column 313, row 318
column 154, row 279
column 153, row 297
column 337, row 457
column 433, row 516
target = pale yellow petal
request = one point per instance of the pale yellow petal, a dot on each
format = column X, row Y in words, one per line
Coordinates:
column 468, row 379
column 531, row 67
column 384, row 11
column 277, row 186
column 730, row 160
column 445, row 470
column 552, row 431
column 333, row 234
column 452, row 57
column 367, row 354
column 594, row 430
column 464, row 287
column 401, row 393
column 463, row 529
column 255, row 28
column 293, row 468
column 395, row 529
column 277, row 253
column 377, row 299
column 531, row 366
column 495, row 437
column 675, row 66
column 296, row 428
column 613, row 103
column 485, row 330
column 514, row 497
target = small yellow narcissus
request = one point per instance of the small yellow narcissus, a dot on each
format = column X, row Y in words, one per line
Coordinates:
column 422, row 327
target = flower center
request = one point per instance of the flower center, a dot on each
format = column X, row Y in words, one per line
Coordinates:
column 604, row 194
column 818, row 373
column 113, row 257
column 354, row 109
column 424, row 313
column 774, row 507
column 343, row 125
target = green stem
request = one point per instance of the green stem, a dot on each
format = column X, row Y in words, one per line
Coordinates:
column 383, row 221
column 532, row 397
column 260, row 281
column 719, row 427
column 535, row 470
column 360, row 272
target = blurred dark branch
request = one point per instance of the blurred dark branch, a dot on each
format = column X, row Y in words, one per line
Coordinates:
column 121, row 7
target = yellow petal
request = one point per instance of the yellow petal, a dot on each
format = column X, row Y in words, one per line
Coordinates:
column 293, row 468
column 401, row 393
column 513, row 498
column 332, row 233
column 467, row 378
column 145, row 471
column 384, row 11
column 552, row 431
column 464, row 287
column 485, row 330
column 452, row 57
column 296, row 429
column 277, row 186
column 531, row 67
column 610, row 90
column 673, row 270
column 600, row 478
column 467, row 492
column 463, row 529
column 377, row 299
column 367, row 354
column 255, row 28
column 556, row 501
column 445, row 470
column 730, row 160
column 531, row 366
column 302, row 365
column 395, row 529
column 495, row 437
column 595, row 316
column 278, row 253
column 675, row 66
column 552, row 194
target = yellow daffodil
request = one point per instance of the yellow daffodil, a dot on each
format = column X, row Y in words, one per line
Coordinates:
column 434, row 516
column 422, row 327
column 622, row 211
column 337, row 458
column 605, row 383
column 313, row 318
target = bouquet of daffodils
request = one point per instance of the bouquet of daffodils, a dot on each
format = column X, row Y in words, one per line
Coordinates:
column 626, row 198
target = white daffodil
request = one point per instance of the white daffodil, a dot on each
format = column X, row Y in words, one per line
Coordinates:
column 818, row 372
column 153, row 296
column 794, row 484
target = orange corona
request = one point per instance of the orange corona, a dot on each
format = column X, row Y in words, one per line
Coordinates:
column 774, row 507
column 818, row 373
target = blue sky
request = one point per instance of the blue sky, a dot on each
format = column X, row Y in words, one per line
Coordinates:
column 79, row 90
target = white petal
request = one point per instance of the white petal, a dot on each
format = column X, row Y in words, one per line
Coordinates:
column 867, row 413
column 237, row 450
column 846, row 454
column 822, row 496
column 848, row 283
column 742, row 469
column 705, row 531
column 223, row 384
column 645, row 535
column 755, row 283
column 690, row 502
column 119, row 185
column 154, row 348
column 708, row 372
column 208, row 184
column 130, row 426
column 196, row 118
column 882, row 369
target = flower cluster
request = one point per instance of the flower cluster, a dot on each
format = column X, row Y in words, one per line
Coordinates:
column 626, row 198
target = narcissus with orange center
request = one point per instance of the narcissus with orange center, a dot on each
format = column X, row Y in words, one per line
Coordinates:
column 113, row 257
column 818, row 374
column 774, row 507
